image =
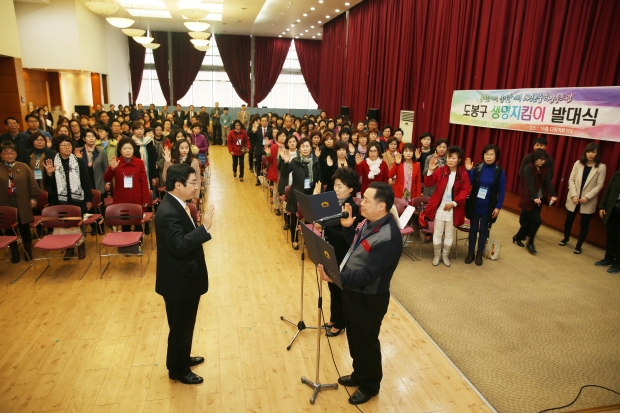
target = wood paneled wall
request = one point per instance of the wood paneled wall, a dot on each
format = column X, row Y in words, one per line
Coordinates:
column 95, row 81
column 11, row 89
column 36, row 87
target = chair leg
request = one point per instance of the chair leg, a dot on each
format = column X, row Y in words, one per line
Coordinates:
column 34, row 266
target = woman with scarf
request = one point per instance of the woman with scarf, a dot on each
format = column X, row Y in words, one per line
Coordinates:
column 373, row 168
column 68, row 183
column 21, row 194
column 238, row 146
column 272, row 152
column 327, row 153
column 390, row 155
column 306, row 174
column 181, row 153
column 96, row 161
column 284, row 181
column 439, row 159
column 408, row 184
column 537, row 191
column 143, row 139
column 129, row 174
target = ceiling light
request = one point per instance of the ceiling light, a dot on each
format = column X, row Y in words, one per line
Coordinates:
column 312, row 8
column 327, row 17
column 197, row 26
column 318, row 34
column 346, row 4
column 297, row 37
column 151, row 46
column 133, row 32
column 143, row 39
column 298, row 20
column 103, row 8
column 199, row 42
column 306, row 30
column 120, row 22
column 337, row 11
column 301, row 34
column 314, row 37
column 202, row 48
column 320, row 22
column 164, row 14
column 305, row 14
column 292, row 25
column 288, row 30
column 279, row 35
column 199, row 35
column 321, row 1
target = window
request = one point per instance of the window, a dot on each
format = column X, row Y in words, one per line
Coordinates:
column 213, row 85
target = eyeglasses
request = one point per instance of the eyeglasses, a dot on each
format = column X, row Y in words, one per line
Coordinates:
column 194, row 183
column 11, row 153
column 65, row 145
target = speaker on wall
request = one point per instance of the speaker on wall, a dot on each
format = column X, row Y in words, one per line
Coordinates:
column 344, row 110
column 373, row 114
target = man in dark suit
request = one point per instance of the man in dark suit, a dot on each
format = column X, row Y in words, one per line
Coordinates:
column 181, row 275
column 188, row 115
column 259, row 136
column 179, row 117
column 20, row 140
column 203, row 117
column 154, row 113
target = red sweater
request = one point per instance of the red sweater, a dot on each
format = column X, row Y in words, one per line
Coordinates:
column 272, row 173
column 233, row 136
column 139, row 193
column 399, row 184
column 363, row 169
column 460, row 191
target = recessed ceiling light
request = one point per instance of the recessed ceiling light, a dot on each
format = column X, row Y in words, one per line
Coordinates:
column 312, row 8
column 314, row 37
column 305, row 14
column 283, row 32
column 301, row 34
column 292, row 25
column 298, row 20
column 288, row 30
column 320, row 22
column 297, row 37
column 279, row 35
column 337, row 11
column 321, row 1
column 347, row 4
column 318, row 34
column 327, row 17
column 306, row 30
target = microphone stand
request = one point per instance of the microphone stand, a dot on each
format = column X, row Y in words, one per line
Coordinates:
column 300, row 324
column 316, row 385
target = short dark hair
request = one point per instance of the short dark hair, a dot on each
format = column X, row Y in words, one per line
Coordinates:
column 115, row 121
column 387, row 127
column 591, row 147
column 178, row 172
column 458, row 151
column 122, row 143
column 540, row 141
column 428, row 135
column 234, row 123
column 8, row 118
column 225, row 109
column 303, row 140
column 491, row 147
column 390, row 140
column 340, row 144
column 63, row 138
column 539, row 154
column 7, row 145
column 264, row 116
column 34, row 136
column 442, row 141
column 384, row 193
column 348, row 177
column 157, row 125
column 410, row 147
column 105, row 128
column 136, row 125
column 87, row 130
column 344, row 130
column 30, row 115
column 374, row 144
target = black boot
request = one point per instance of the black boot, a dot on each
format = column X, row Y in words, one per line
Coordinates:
column 14, row 253
column 470, row 257
column 82, row 252
column 479, row 258
column 69, row 253
column 28, row 251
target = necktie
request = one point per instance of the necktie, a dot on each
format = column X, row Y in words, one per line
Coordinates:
column 189, row 213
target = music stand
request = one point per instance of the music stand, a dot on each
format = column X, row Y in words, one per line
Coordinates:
column 313, row 208
column 320, row 252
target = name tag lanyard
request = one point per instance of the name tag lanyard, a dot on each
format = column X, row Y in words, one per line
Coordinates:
column 128, row 180
column 38, row 173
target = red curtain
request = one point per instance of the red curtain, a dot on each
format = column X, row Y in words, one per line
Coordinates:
column 269, row 56
column 236, row 52
column 309, row 54
column 161, row 59
column 333, row 57
column 186, row 62
column 136, row 66
column 447, row 45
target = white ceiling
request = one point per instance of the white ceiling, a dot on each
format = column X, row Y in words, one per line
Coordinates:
column 251, row 17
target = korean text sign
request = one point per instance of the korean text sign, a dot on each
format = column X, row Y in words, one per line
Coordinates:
column 586, row 112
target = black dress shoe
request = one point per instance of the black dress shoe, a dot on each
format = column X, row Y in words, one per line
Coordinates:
column 531, row 249
column 329, row 332
column 471, row 256
column 189, row 378
column 257, row 183
column 360, row 397
column 517, row 241
column 194, row 361
column 605, row 262
column 348, row 381
column 278, row 213
column 285, row 227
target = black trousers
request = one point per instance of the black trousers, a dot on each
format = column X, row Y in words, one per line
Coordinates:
column 238, row 160
column 364, row 314
column 584, row 225
column 251, row 158
column 336, row 307
column 530, row 223
column 258, row 164
column 217, row 134
column 181, row 316
column 612, row 247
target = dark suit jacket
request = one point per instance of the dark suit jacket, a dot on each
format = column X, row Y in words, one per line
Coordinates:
column 256, row 140
column 204, row 119
column 181, row 268
column 179, row 118
column 21, row 142
column 188, row 116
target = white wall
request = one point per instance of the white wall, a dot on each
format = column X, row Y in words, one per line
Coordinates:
column 76, row 89
column 93, row 50
column 48, row 35
column 9, row 45
column 119, row 81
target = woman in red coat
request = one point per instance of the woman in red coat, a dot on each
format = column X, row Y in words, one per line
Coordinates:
column 408, row 184
column 447, row 204
column 273, row 153
column 373, row 168
column 129, row 174
column 238, row 145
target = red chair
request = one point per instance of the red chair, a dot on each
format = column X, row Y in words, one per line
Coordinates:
column 463, row 228
column 8, row 222
column 42, row 202
column 148, row 217
column 59, row 216
column 119, row 215
column 406, row 232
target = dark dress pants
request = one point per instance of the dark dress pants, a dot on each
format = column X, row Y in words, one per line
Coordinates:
column 217, row 134
column 251, row 158
column 181, row 316
column 238, row 160
column 584, row 225
column 336, row 307
column 364, row 314
column 612, row 247
column 530, row 223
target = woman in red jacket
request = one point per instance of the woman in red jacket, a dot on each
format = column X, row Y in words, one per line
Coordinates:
column 408, row 184
column 447, row 204
column 129, row 174
column 273, row 154
column 373, row 168
column 238, row 145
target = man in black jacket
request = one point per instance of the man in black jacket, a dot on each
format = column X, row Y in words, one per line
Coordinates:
column 20, row 140
column 181, row 275
column 179, row 117
column 539, row 143
column 259, row 136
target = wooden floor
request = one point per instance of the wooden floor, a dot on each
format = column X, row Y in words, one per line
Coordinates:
column 100, row 345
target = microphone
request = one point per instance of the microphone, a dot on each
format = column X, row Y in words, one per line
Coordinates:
column 343, row 214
